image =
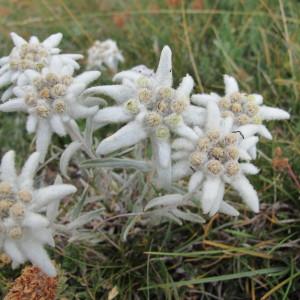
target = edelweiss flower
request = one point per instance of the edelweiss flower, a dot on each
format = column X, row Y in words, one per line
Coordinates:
column 246, row 110
column 152, row 108
column 213, row 160
column 104, row 53
column 24, row 230
column 32, row 55
column 52, row 100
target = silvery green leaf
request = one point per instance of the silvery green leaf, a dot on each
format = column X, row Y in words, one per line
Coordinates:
column 67, row 155
column 88, row 132
column 117, row 163
column 85, row 218
column 167, row 200
column 187, row 216
column 53, row 207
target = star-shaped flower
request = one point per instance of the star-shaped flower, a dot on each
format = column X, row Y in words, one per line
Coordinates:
column 32, row 55
column 24, row 227
column 52, row 100
column 246, row 110
column 214, row 160
column 103, row 54
column 152, row 108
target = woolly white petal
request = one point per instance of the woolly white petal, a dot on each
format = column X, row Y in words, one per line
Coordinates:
column 231, row 85
column 226, row 125
column 38, row 256
column 244, row 155
column 11, row 248
column 125, row 75
column 257, row 98
column 53, row 40
column 33, row 40
column 17, row 40
column 8, row 171
column 67, row 155
column 209, row 193
column 113, row 114
column 194, row 115
column 271, row 113
column 248, row 142
column 57, row 125
column 218, row 200
column 185, row 131
column 182, row 144
column 252, row 129
column 227, row 209
column 180, row 155
column 120, row 93
column 5, row 79
column 128, row 135
column 213, row 118
column 245, row 189
column 203, row 99
column 195, row 181
column 28, row 171
column 7, row 94
column 31, row 123
column 45, row 195
column 164, row 70
column 44, row 236
column 180, row 170
column 186, row 86
column 78, row 111
column 14, row 105
column 87, row 77
column 43, row 138
column 248, row 168
column 34, row 220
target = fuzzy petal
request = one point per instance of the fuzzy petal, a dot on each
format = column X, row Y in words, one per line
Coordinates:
column 29, row 170
column 57, row 125
column 248, row 168
column 120, row 93
column 43, row 138
column 44, row 196
column 164, row 70
column 11, row 248
column 204, row 99
column 14, row 105
column 209, row 193
column 34, row 221
column 180, row 170
column 31, row 123
column 53, row 40
column 249, row 142
column 271, row 113
column 186, row 86
column 8, row 171
column 17, row 40
column 246, row 191
column 213, row 118
column 185, row 131
column 38, row 256
column 195, row 181
column 194, row 115
column 113, row 114
column 216, row 205
column 128, row 135
column 231, row 85
column 183, row 144
column 87, row 77
column 227, row 209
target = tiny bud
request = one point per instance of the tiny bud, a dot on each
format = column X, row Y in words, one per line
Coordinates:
column 162, row 132
column 142, row 81
column 66, row 80
column 165, row 92
column 232, row 168
column 44, row 93
column 217, row 152
column 25, row 196
column 144, row 95
column 224, row 103
column 52, row 79
column 213, row 135
column 15, row 233
column 203, row 144
column 257, row 120
column 173, row 120
column 232, row 152
column 132, row 106
column 236, row 97
column 197, row 158
column 230, row 138
column 214, row 167
column 5, row 188
column 180, row 105
column 153, row 119
column 58, row 90
column 42, row 111
column 243, row 119
column 59, row 106
column 30, row 99
column 17, row 211
column 5, row 205
column 252, row 108
column 236, row 107
column 4, row 259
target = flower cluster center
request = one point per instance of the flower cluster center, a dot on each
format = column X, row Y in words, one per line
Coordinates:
column 12, row 207
column 241, row 107
column 164, row 106
column 48, row 94
column 29, row 56
column 216, row 154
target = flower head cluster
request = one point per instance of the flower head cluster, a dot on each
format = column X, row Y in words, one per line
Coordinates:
column 52, row 100
column 24, row 228
column 104, row 53
column 246, row 110
column 151, row 107
column 32, row 55
column 213, row 160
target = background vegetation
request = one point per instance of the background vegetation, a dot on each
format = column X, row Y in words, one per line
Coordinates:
column 249, row 257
